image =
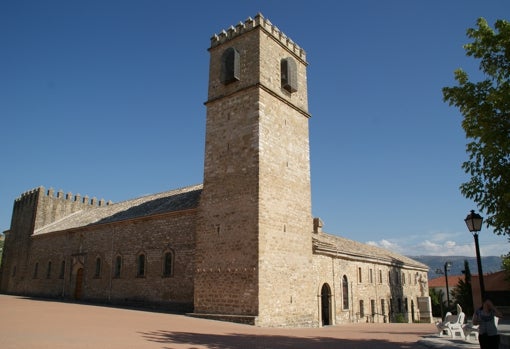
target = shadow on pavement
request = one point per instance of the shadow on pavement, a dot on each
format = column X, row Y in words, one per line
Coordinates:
column 234, row 341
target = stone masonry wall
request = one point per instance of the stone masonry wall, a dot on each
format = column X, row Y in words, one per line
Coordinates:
column 378, row 282
column 82, row 247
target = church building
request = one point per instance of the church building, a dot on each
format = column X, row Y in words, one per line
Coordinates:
column 243, row 246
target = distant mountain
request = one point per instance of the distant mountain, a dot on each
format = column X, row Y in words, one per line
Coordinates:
column 490, row 264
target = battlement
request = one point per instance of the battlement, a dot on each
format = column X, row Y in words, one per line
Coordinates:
column 250, row 24
column 39, row 207
column 33, row 194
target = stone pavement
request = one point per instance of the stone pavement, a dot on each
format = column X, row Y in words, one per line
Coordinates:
column 433, row 341
column 37, row 323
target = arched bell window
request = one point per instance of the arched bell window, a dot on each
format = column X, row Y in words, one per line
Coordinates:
column 289, row 74
column 230, row 66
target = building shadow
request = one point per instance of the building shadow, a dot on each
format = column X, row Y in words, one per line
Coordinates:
column 252, row 341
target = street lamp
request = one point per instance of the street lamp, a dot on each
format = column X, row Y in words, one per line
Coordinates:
column 447, row 266
column 474, row 224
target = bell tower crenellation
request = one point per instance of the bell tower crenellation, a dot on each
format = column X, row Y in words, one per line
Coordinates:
column 264, row 23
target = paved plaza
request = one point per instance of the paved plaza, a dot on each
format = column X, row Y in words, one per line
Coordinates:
column 36, row 323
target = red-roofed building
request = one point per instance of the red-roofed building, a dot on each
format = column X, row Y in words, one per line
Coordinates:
column 439, row 284
column 497, row 288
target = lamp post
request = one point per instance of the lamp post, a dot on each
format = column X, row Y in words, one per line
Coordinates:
column 474, row 225
column 447, row 266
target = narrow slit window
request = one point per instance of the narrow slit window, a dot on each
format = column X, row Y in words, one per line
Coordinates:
column 48, row 271
column 168, row 264
column 141, row 265
column 97, row 273
column 62, row 269
column 118, row 266
column 345, row 292
column 36, row 270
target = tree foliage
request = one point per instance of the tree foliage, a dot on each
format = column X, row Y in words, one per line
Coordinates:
column 463, row 293
column 505, row 264
column 436, row 300
column 485, row 106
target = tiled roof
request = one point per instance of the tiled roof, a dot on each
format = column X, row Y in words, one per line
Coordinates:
column 169, row 201
column 440, row 281
column 493, row 281
column 353, row 250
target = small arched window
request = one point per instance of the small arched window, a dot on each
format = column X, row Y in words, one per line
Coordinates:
column 345, row 292
column 62, row 269
column 36, row 270
column 97, row 273
column 230, row 66
column 168, row 264
column 141, row 265
column 48, row 271
column 118, row 266
column 289, row 74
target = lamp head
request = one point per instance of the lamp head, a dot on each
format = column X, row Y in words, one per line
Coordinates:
column 474, row 222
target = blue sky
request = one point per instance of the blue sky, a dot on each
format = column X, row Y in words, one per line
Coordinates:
column 105, row 98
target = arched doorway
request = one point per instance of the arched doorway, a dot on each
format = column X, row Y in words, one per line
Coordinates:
column 79, row 284
column 326, row 305
column 412, row 311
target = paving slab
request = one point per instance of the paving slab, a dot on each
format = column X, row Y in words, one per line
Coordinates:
column 39, row 323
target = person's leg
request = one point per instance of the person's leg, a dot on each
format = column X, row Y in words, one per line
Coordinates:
column 482, row 339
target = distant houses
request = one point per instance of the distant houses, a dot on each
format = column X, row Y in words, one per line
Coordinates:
column 497, row 288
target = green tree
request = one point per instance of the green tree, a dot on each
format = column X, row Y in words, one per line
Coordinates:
column 463, row 293
column 436, row 299
column 505, row 264
column 485, row 106
column 1, row 247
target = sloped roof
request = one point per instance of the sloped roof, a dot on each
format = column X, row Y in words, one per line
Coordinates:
column 440, row 281
column 169, row 201
column 493, row 281
column 341, row 247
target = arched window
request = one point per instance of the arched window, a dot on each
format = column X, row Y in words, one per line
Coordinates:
column 345, row 292
column 141, row 265
column 62, row 269
column 118, row 266
column 289, row 74
column 168, row 264
column 230, row 66
column 97, row 273
column 48, row 271
column 36, row 270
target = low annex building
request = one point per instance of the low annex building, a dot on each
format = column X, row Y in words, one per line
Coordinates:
column 243, row 246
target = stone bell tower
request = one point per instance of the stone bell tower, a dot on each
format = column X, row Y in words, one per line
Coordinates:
column 254, row 243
